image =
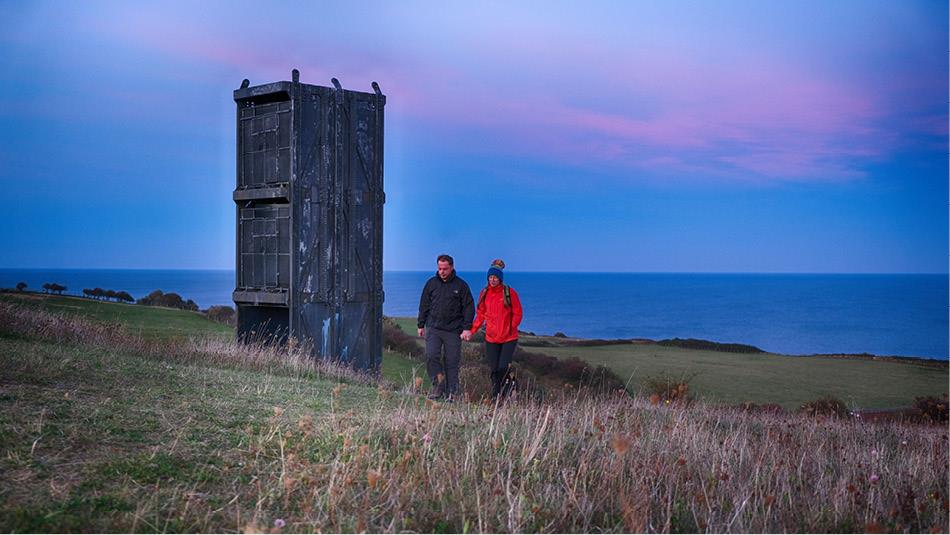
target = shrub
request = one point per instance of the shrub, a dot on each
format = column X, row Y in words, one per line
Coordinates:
column 667, row 389
column 395, row 339
column 694, row 343
column 172, row 300
column 826, row 406
column 221, row 314
column 932, row 408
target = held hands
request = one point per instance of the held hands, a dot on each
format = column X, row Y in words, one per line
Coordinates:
column 466, row 335
column 422, row 333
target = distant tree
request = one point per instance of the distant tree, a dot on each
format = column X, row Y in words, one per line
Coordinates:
column 20, row 286
column 153, row 299
column 47, row 287
column 124, row 296
column 171, row 300
column 87, row 292
column 98, row 293
column 221, row 313
column 57, row 288
column 110, row 294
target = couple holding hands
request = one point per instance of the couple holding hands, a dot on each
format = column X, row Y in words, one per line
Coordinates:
column 446, row 312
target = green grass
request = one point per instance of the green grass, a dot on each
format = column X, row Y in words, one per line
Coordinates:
column 168, row 323
column 399, row 369
column 789, row 381
column 735, row 378
column 90, row 436
column 148, row 322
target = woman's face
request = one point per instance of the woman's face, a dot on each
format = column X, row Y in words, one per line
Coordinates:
column 493, row 280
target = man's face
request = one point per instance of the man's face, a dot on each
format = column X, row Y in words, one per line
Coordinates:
column 444, row 269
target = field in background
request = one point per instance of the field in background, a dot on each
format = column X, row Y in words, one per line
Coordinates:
column 735, row 378
column 149, row 322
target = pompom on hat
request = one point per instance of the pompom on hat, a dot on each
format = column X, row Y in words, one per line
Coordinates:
column 496, row 269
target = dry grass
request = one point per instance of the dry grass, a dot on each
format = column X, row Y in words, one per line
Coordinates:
column 303, row 454
column 294, row 358
column 598, row 465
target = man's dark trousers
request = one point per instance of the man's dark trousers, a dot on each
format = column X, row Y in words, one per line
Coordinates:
column 437, row 342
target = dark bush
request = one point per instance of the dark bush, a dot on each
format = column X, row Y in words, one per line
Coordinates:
column 667, row 389
column 827, row 406
column 20, row 286
column 171, row 300
column 395, row 339
column 221, row 314
column 570, row 370
column 559, row 334
column 932, row 408
column 694, row 343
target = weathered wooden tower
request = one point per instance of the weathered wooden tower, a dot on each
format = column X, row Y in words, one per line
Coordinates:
column 310, row 218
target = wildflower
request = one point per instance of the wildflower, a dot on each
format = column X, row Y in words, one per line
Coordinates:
column 426, row 438
column 680, row 461
column 903, row 442
column 279, row 523
column 278, row 411
column 874, row 478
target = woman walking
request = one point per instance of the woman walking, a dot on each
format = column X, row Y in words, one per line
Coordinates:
column 499, row 309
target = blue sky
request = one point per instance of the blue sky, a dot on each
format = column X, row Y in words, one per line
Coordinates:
column 627, row 136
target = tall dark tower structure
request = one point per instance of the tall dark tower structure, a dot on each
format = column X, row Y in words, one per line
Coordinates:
column 310, row 218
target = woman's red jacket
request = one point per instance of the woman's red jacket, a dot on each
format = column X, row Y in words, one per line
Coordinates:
column 501, row 322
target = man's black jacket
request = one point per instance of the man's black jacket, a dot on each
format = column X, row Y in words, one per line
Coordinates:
column 446, row 304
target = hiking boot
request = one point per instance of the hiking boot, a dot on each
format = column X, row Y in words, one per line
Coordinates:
column 437, row 392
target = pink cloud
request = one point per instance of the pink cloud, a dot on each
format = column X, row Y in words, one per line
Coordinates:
column 758, row 118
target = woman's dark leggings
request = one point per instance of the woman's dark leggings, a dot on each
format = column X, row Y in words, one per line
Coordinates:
column 499, row 357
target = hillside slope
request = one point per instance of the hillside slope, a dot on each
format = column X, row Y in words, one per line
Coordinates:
column 103, row 430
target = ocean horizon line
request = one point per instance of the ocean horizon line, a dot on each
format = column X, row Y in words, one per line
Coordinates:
column 231, row 270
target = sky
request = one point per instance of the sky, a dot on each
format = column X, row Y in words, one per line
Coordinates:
column 758, row 136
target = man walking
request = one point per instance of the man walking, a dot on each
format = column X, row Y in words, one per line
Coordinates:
column 446, row 311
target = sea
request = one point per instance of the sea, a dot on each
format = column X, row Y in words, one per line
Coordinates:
column 796, row 314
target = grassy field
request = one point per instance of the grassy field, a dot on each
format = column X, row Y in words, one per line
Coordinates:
column 157, row 323
column 149, row 322
column 104, row 430
column 735, row 378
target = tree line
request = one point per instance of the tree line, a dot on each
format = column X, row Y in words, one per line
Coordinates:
column 52, row 287
column 220, row 313
column 108, row 295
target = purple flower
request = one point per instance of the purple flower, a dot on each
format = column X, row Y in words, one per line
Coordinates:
column 279, row 523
